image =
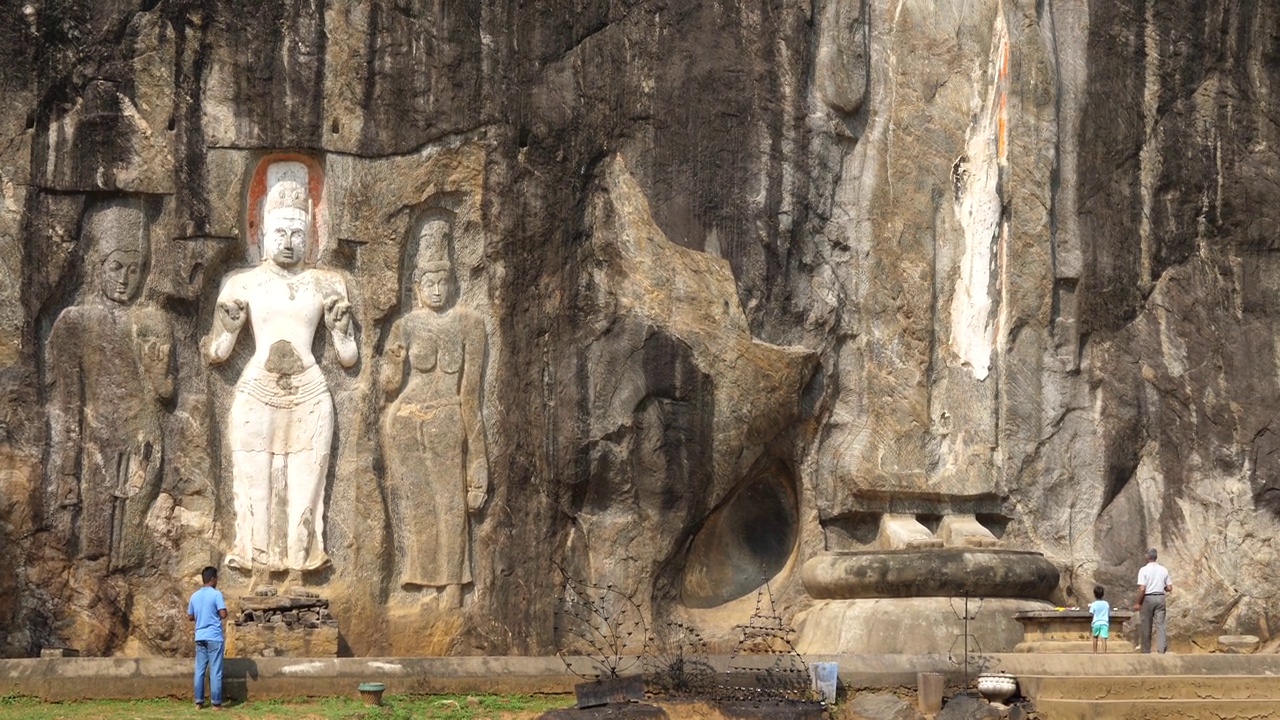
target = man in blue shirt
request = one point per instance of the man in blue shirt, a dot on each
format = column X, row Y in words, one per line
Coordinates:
column 207, row 608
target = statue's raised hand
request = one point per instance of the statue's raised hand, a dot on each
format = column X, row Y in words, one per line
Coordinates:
column 230, row 315
column 154, row 353
column 337, row 315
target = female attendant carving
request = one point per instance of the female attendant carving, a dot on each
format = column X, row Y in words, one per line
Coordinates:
column 432, row 431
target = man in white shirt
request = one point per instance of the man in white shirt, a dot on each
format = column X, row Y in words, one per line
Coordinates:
column 1153, row 584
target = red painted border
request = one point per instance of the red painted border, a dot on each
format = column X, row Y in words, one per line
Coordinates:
column 258, row 190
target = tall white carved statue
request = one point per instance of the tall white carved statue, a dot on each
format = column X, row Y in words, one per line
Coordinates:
column 280, row 426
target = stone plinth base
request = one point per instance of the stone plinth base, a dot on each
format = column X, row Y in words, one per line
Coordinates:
column 1069, row 631
column 921, row 625
column 266, row 640
column 273, row 626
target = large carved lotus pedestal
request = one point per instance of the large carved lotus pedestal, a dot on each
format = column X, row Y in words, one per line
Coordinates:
column 912, row 601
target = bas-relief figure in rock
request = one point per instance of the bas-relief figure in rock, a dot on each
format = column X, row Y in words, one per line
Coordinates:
column 432, row 432
column 280, row 425
column 110, row 375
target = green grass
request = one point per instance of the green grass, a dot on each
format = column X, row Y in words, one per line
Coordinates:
column 394, row 707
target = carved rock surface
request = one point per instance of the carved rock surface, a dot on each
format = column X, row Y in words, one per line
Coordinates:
column 967, row 707
column 753, row 277
column 881, row 706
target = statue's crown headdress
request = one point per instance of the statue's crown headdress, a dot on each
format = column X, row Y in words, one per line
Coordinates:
column 287, row 188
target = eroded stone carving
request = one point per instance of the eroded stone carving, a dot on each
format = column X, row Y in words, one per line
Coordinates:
column 110, row 374
column 433, row 432
column 280, row 425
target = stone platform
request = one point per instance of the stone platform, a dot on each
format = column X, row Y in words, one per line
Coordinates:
column 1156, row 687
column 1069, row 631
column 1070, row 681
column 73, row 679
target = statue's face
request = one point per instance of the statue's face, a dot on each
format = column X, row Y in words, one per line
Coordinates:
column 284, row 236
column 122, row 275
column 434, row 287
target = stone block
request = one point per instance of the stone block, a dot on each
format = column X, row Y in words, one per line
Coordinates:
column 929, row 688
column 899, row 532
column 965, row 531
column 1244, row 644
column 882, row 706
column 612, row 690
column 967, row 707
column 279, row 640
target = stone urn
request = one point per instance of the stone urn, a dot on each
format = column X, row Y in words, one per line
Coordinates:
column 997, row 687
column 371, row 692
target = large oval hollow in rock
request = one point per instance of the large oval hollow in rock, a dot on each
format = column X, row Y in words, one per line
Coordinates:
column 745, row 541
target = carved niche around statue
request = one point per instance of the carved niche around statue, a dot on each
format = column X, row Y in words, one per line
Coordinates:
column 281, row 421
column 110, row 374
column 432, row 431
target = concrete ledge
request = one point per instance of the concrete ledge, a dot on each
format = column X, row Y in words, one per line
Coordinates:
column 66, row 679
column 1158, row 709
column 1146, row 687
column 1088, row 664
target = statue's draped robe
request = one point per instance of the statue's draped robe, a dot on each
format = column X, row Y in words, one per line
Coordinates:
column 432, row 437
column 108, row 374
column 281, row 423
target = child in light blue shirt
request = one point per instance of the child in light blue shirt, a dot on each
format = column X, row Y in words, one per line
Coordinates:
column 1101, row 625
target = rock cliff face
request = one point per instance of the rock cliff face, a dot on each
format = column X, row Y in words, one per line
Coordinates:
column 752, row 275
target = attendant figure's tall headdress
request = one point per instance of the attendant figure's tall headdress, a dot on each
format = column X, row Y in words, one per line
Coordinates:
column 116, row 224
column 435, row 244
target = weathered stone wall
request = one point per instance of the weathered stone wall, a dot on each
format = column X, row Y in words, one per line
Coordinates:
column 752, row 274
